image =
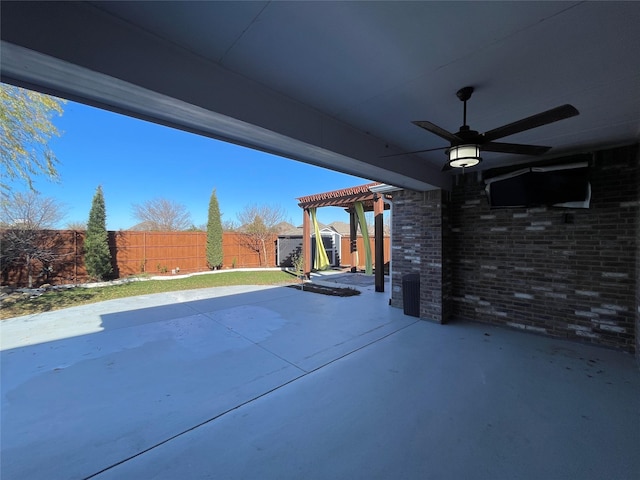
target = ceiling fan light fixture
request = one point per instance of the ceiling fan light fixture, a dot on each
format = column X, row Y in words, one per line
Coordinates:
column 464, row 156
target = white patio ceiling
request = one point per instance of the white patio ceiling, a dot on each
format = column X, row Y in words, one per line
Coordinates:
column 337, row 84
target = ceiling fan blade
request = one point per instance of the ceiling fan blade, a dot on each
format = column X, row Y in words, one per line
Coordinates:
column 517, row 148
column 441, row 132
column 415, row 151
column 534, row 121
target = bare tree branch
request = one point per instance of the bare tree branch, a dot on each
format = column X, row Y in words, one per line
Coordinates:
column 258, row 224
column 24, row 217
column 162, row 215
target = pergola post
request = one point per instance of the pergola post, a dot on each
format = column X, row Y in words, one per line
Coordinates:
column 306, row 241
column 353, row 240
column 378, row 210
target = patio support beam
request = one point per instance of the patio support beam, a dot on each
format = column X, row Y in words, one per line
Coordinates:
column 378, row 210
column 306, row 242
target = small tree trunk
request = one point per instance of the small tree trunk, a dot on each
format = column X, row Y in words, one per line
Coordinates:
column 263, row 262
column 29, row 272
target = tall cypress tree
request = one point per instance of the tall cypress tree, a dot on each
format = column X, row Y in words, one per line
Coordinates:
column 214, row 233
column 97, row 257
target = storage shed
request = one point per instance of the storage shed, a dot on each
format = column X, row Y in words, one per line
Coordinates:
column 290, row 244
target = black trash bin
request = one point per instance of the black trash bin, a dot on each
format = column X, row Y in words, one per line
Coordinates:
column 411, row 294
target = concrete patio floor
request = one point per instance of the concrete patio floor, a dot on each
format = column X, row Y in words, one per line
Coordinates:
column 274, row 383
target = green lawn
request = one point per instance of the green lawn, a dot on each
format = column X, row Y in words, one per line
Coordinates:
column 58, row 299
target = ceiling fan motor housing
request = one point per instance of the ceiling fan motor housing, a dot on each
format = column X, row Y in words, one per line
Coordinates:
column 466, row 135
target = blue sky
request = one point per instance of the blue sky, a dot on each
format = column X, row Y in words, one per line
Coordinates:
column 136, row 161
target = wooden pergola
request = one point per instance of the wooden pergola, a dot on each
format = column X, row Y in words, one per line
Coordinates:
column 346, row 198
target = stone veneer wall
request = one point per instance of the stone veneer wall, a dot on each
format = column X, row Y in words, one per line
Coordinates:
column 539, row 270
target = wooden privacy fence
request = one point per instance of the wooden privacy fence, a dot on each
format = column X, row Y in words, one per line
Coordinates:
column 345, row 248
column 154, row 253
column 183, row 252
column 133, row 253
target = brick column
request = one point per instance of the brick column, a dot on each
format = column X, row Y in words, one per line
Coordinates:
column 419, row 230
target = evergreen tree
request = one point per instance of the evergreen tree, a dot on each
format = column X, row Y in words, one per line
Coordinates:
column 214, row 233
column 97, row 256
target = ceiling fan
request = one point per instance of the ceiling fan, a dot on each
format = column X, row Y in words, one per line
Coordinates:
column 466, row 144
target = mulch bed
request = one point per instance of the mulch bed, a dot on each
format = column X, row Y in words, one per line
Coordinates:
column 324, row 290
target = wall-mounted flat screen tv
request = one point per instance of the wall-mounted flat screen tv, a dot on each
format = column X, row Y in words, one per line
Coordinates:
column 559, row 185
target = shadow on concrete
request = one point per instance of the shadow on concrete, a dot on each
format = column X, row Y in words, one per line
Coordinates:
column 123, row 381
